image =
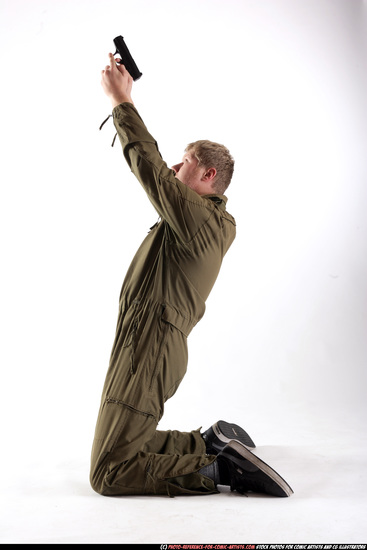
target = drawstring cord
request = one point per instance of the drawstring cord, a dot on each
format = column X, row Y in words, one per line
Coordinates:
column 101, row 126
column 104, row 122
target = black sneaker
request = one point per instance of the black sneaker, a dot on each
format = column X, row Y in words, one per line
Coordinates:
column 221, row 433
column 245, row 472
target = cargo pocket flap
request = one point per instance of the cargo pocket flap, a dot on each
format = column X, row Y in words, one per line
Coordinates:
column 173, row 317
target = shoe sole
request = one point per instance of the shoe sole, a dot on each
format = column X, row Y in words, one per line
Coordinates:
column 260, row 464
column 227, row 432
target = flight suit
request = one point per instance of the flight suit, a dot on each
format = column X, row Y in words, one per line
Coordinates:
column 162, row 298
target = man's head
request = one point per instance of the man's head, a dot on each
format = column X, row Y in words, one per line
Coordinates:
column 206, row 167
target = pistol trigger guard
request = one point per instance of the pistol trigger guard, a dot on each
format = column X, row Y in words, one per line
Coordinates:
column 116, row 52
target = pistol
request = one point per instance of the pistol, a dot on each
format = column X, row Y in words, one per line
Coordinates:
column 126, row 58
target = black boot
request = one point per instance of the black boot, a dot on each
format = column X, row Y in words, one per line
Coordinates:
column 221, row 433
column 243, row 472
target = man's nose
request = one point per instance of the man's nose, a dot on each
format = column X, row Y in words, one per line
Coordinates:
column 176, row 167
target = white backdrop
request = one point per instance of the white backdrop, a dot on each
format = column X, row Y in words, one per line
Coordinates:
column 282, row 84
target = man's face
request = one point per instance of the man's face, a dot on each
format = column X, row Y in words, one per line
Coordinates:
column 189, row 173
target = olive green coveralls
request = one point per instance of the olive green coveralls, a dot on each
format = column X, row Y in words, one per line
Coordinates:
column 162, row 298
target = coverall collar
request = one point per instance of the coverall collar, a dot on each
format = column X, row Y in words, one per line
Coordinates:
column 220, row 200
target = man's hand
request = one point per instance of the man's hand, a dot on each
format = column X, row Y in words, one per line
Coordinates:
column 117, row 82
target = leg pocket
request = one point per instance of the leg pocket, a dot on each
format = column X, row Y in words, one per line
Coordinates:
column 133, row 324
column 172, row 363
column 164, row 330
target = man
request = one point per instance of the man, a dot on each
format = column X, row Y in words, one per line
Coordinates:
column 162, row 298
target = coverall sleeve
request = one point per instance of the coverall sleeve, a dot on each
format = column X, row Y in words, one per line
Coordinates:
column 181, row 207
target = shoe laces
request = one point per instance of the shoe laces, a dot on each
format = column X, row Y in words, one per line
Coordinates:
column 244, row 485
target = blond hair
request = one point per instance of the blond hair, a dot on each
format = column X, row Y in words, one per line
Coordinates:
column 214, row 155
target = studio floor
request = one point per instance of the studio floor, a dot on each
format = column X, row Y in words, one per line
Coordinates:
column 325, row 465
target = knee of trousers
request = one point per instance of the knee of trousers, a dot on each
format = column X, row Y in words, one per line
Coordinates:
column 120, row 434
column 96, row 477
column 99, row 466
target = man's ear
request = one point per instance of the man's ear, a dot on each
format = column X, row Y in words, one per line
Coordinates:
column 209, row 174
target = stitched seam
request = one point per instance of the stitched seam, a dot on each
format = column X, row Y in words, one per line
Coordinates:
column 160, row 355
column 130, row 407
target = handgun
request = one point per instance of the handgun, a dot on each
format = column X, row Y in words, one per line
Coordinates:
column 126, row 58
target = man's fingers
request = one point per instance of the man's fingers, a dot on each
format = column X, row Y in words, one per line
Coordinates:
column 110, row 67
column 112, row 61
column 123, row 70
column 116, row 63
column 116, row 81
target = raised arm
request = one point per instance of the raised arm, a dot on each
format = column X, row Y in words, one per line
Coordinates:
column 183, row 209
